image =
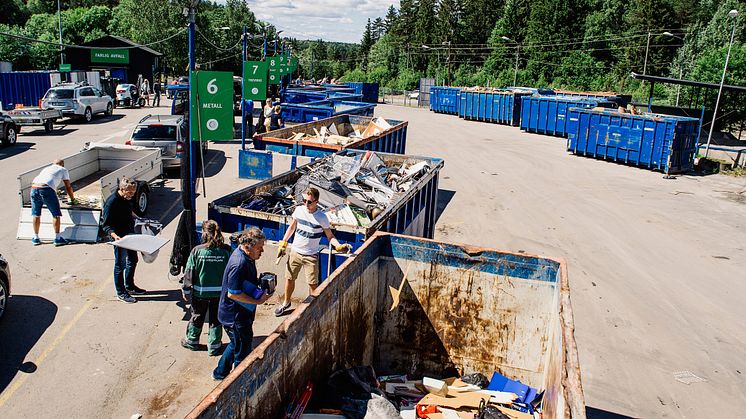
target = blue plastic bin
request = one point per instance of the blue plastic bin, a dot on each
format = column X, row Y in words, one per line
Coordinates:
column 658, row 142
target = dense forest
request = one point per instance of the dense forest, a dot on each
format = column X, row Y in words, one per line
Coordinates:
column 580, row 45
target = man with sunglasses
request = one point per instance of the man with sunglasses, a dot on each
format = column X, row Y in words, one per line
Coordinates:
column 307, row 228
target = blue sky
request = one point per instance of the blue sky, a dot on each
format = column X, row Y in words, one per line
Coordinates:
column 330, row 20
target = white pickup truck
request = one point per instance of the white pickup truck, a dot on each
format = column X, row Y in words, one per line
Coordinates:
column 94, row 173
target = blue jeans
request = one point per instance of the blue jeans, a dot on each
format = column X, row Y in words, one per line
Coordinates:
column 238, row 348
column 44, row 196
column 125, row 262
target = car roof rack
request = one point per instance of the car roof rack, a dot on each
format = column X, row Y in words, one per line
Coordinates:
column 144, row 118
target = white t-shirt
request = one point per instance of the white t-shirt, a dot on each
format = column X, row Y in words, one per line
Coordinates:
column 52, row 176
column 309, row 232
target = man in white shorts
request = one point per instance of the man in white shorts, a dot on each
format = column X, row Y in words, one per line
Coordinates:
column 307, row 227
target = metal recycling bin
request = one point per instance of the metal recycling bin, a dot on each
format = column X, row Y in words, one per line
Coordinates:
column 263, row 161
column 313, row 111
column 462, row 308
column 301, row 96
column 653, row 141
column 412, row 212
column 392, row 140
column 445, row 99
column 368, row 90
column 496, row 106
column 548, row 114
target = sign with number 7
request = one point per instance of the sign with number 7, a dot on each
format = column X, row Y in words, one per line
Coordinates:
column 255, row 80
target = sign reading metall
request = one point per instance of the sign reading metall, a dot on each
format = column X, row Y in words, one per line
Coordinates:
column 212, row 106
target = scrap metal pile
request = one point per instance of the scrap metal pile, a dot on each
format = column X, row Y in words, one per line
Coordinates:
column 353, row 190
column 335, row 135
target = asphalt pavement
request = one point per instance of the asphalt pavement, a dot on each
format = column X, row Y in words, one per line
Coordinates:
column 656, row 271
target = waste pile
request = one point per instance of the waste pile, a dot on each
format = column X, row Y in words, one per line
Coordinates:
column 353, row 190
column 358, row 393
column 345, row 135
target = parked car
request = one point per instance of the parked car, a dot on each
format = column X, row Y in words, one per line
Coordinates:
column 170, row 133
column 128, row 95
column 78, row 100
column 4, row 285
column 8, row 129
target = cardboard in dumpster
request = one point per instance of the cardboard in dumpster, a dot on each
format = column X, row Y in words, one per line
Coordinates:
column 455, row 400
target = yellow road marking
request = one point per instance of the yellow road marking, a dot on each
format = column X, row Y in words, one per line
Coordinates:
column 8, row 393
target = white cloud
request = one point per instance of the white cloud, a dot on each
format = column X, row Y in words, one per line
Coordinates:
column 330, row 20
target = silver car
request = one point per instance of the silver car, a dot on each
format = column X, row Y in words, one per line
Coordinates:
column 170, row 133
column 78, row 100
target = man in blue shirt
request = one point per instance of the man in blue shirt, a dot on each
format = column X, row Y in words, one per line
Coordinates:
column 237, row 304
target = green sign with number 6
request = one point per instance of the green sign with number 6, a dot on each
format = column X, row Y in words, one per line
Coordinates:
column 255, row 80
column 212, row 112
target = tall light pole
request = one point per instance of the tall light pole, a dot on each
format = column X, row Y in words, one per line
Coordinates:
column 647, row 48
column 681, row 68
column 59, row 19
column 448, row 63
column 517, row 49
column 733, row 13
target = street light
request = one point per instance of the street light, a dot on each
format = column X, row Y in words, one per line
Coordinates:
column 59, row 19
column 733, row 13
column 681, row 68
column 517, row 49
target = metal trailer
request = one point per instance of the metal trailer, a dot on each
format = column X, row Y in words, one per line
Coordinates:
column 36, row 117
column 445, row 99
column 658, row 142
column 94, row 173
column 496, row 106
column 368, row 90
column 23, row 88
column 264, row 162
column 412, row 212
column 464, row 307
column 313, row 111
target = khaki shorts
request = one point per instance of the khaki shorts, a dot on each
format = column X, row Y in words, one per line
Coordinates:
column 309, row 264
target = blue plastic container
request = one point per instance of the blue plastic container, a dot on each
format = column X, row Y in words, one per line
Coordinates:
column 313, row 111
column 369, row 91
column 23, row 88
column 495, row 106
column 658, row 142
column 548, row 114
column 412, row 213
column 445, row 99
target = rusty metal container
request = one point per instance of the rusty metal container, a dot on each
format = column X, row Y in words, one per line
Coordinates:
column 463, row 307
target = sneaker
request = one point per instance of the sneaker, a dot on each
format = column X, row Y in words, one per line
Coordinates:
column 135, row 290
column 127, row 298
column 35, row 241
column 61, row 241
column 190, row 346
column 282, row 309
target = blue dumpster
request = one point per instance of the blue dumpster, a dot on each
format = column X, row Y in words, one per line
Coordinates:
column 368, row 90
column 496, row 106
column 445, row 99
column 412, row 213
column 658, row 142
column 548, row 114
column 23, row 88
column 262, row 161
column 313, row 111
column 301, row 96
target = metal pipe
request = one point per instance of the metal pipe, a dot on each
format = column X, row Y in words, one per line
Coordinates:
column 733, row 14
column 59, row 19
column 243, row 100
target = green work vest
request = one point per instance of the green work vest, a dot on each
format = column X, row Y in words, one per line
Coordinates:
column 206, row 267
